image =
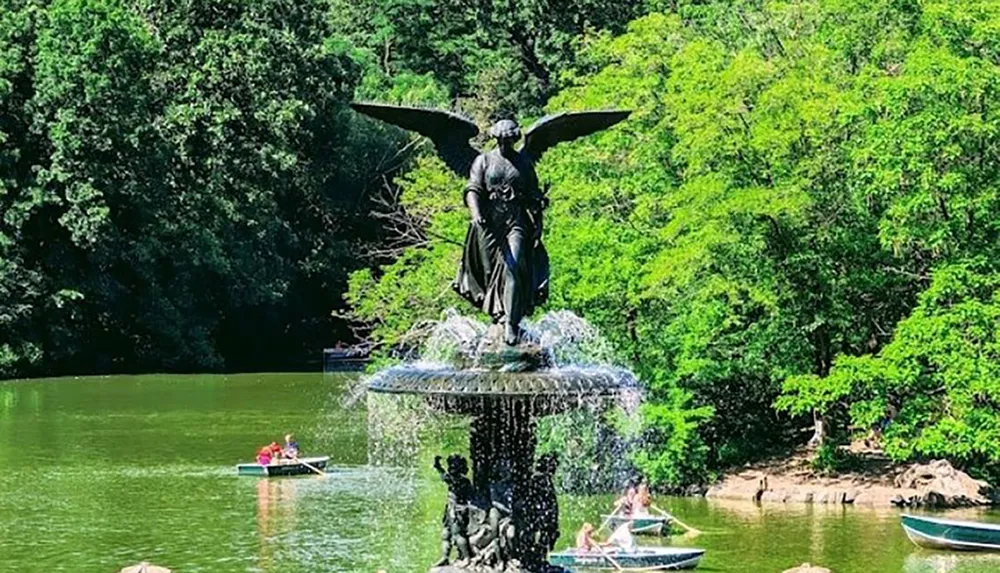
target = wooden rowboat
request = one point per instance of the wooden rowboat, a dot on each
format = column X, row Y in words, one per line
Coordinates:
column 642, row 559
column 641, row 524
column 283, row 467
column 935, row 533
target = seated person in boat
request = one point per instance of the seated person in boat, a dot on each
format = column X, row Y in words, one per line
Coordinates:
column 291, row 450
column 276, row 452
column 642, row 500
column 264, row 456
column 626, row 503
column 585, row 540
column 622, row 538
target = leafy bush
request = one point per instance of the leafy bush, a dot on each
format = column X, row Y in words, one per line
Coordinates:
column 831, row 459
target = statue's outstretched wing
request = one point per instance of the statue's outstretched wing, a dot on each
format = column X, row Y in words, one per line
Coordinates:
column 567, row 126
column 449, row 131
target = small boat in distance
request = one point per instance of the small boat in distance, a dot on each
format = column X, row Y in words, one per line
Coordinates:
column 642, row 559
column 641, row 524
column 935, row 533
column 283, row 467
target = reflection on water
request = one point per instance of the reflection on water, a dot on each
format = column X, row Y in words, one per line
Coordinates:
column 275, row 515
column 921, row 561
column 125, row 469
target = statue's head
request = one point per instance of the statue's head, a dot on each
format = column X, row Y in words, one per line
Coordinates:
column 457, row 465
column 506, row 132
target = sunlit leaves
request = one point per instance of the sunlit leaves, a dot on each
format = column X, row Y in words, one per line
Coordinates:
column 935, row 389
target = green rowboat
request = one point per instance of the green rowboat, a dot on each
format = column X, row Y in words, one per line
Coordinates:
column 641, row 524
column 283, row 467
column 642, row 559
column 937, row 533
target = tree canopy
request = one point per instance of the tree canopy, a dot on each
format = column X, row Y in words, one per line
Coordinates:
column 181, row 183
column 792, row 176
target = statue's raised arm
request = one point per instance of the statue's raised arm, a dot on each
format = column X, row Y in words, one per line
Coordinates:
column 505, row 268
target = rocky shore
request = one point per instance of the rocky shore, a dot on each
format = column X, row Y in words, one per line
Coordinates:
column 878, row 484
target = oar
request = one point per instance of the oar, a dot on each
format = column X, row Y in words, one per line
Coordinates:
column 608, row 557
column 679, row 522
column 310, row 466
column 608, row 520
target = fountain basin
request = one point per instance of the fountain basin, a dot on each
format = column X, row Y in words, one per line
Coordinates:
column 471, row 391
column 553, row 382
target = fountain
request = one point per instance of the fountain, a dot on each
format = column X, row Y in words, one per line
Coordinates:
column 504, row 518
column 505, row 377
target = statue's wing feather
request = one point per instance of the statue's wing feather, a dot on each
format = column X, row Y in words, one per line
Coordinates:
column 449, row 131
column 567, row 126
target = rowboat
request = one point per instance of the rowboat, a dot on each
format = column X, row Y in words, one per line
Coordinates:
column 935, row 533
column 641, row 559
column 283, row 467
column 641, row 524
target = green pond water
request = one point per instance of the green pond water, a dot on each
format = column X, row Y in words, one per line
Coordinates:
column 99, row 473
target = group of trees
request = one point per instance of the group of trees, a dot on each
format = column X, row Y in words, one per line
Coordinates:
column 795, row 228
column 181, row 184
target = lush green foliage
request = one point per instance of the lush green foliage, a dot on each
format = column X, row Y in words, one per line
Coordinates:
column 180, row 185
column 798, row 218
column 830, row 459
column 499, row 57
column 792, row 174
column 933, row 391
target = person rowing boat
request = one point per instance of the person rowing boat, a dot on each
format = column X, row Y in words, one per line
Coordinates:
column 274, row 453
column 291, row 449
column 626, row 502
column 584, row 538
column 635, row 501
column 620, row 540
column 642, row 500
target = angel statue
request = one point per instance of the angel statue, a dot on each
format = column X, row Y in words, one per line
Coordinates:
column 505, row 268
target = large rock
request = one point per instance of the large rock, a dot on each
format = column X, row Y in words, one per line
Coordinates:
column 936, row 484
column 941, row 485
column 807, row 568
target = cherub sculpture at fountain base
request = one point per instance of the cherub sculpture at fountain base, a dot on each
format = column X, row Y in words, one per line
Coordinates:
column 485, row 534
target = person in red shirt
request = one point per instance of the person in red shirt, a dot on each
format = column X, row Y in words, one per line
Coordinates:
column 276, row 452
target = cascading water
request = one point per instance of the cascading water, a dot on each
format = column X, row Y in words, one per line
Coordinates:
column 505, row 516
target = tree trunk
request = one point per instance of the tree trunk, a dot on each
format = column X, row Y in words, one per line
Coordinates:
column 819, row 430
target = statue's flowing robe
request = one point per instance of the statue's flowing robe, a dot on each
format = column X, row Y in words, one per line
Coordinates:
column 511, row 202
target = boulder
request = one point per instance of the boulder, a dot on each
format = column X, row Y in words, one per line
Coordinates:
column 935, row 484
column 938, row 484
column 807, row 568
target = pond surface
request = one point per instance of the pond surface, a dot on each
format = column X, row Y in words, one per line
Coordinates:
column 99, row 473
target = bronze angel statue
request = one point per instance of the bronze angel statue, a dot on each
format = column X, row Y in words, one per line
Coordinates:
column 505, row 268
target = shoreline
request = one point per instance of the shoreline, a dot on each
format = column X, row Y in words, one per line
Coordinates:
column 878, row 483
